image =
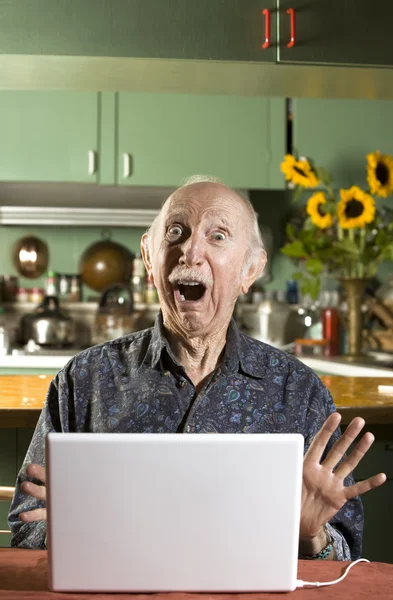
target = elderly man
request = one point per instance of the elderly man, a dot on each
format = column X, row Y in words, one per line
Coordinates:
column 195, row 372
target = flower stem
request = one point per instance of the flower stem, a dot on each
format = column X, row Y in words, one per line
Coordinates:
column 362, row 240
column 352, row 262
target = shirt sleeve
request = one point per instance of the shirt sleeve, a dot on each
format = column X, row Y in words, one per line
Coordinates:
column 54, row 417
column 346, row 527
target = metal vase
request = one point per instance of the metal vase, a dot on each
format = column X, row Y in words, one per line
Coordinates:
column 354, row 288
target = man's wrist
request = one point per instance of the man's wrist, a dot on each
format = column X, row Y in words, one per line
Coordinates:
column 317, row 545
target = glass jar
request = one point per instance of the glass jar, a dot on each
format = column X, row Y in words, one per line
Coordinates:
column 36, row 295
column 76, row 288
column 22, row 295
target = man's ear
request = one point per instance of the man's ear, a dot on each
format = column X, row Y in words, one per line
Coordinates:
column 254, row 271
column 145, row 251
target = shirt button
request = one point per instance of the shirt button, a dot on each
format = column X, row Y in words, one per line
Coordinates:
column 182, row 383
column 188, row 428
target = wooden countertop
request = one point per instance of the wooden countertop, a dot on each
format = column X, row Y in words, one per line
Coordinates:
column 22, row 398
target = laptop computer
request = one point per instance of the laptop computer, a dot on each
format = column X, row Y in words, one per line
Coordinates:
column 173, row 512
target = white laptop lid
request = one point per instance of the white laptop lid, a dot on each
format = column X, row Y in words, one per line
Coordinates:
column 173, row 512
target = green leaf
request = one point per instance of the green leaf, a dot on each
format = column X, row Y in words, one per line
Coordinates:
column 314, row 266
column 347, row 246
column 297, row 192
column 294, row 249
column 324, row 175
column 290, row 231
column 310, row 285
column 387, row 253
column 297, row 275
column 309, row 225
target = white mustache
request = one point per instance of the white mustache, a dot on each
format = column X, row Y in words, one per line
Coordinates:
column 186, row 274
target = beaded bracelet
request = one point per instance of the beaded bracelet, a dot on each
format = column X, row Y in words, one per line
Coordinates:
column 324, row 553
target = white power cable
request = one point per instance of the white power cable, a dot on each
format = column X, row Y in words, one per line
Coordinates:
column 302, row 584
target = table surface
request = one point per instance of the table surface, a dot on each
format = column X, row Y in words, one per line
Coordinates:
column 24, row 575
column 24, row 394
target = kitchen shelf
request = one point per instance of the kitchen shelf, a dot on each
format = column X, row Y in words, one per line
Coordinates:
column 77, row 306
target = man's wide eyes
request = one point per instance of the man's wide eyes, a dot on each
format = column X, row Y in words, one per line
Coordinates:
column 219, row 236
column 175, row 230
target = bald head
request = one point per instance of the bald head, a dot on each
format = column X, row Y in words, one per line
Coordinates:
column 209, row 186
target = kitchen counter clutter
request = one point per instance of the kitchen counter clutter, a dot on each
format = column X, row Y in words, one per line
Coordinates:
column 22, row 398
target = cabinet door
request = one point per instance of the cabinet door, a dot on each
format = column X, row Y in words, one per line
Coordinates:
column 355, row 32
column 202, row 29
column 48, row 136
column 338, row 134
column 168, row 137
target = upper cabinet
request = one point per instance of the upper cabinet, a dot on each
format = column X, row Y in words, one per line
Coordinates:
column 141, row 139
column 48, row 136
column 338, row 134
column 354, row 32
column 184, row 29
column 164, row 138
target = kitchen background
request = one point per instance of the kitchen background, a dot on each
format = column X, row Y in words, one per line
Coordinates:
column 107, row 106
column 78, row 165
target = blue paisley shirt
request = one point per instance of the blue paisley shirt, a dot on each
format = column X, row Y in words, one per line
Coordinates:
column 134, row 384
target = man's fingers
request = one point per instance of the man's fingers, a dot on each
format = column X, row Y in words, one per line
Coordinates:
column 318, row 445
column 36, row 471
column 352, row 461
column 341, row 446
column 38, row 514
column 37, row 491
column 364, row 486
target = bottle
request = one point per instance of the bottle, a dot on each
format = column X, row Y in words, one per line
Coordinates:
column 51, row 284
column 331, row 325
column 151, row 293
column 4, row 335
column 138, row 280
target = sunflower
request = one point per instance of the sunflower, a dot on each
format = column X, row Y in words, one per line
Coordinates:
column 299, row 171
column 315, row 209
column 355, row 209
column 380, row 173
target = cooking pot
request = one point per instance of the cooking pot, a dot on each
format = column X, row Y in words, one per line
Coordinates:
column 105, row 263
column 272, row 322
column 30, row 256
column 47, row 325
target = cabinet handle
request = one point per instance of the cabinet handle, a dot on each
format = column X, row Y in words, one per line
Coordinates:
column 266, row 13
column 126, row 165
column 291, row 13
column 92, row 162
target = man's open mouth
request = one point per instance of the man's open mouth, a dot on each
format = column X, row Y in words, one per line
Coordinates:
column 190, row 291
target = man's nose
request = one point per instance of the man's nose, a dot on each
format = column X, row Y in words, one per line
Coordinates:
column 192, row 251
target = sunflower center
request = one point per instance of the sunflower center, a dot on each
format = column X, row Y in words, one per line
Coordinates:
column 299, row 171
column 382, row 173
column 354, row 209
column 321, row 210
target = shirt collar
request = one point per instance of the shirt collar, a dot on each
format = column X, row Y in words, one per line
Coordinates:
column 240, row 354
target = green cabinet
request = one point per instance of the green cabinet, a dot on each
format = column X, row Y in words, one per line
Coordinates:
column 184, row 29
column 338, row 134
column 137, row 139
column 378, row 522
column 13, row 447
column 334, row 32
column 164, row 138
column 48, row 136
column 354, row 32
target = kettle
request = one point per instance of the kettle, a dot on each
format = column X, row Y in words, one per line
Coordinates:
column 47, row 325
